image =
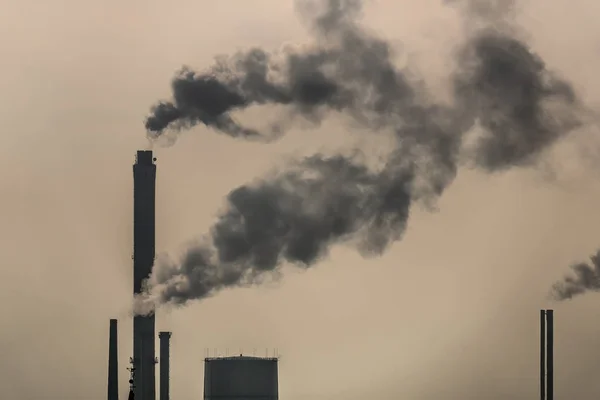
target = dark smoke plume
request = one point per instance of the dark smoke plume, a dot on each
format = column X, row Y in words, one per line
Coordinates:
column 501, row 89
column 522, row 108
column 332, row 75
column 585, row 277
column 293, row 217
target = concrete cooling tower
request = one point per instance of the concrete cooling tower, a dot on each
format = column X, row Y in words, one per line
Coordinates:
column 241, row 378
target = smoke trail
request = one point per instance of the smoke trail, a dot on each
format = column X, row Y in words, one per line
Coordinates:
column 500, row 83
column 296, row 214
column 585, row 278
column 332, row 75
column 293, row 217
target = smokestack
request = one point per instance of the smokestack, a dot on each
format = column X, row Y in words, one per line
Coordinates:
column 113, row 362
column 165, row 344
column 542, row 354
column 550, row 354
column 547, row 355
column 144, row 180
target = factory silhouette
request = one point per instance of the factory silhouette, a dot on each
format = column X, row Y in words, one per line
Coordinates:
column 239, row 377
column 229, row 377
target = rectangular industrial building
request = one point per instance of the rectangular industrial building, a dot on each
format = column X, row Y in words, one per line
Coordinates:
column 241, row 378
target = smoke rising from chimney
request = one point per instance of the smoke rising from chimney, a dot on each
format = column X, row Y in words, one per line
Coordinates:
column 294, row 215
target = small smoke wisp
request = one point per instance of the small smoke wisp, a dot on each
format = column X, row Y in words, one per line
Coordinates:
column 295, row 214
column 584, row 277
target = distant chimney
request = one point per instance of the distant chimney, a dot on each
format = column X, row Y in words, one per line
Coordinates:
column 113, row 362
column 547, row 355
column 550, row 354
column 165, row 345
column 542, row 354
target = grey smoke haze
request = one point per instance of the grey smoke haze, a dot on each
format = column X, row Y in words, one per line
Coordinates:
column 500, row 88
column 584, row 277
column 490, row 11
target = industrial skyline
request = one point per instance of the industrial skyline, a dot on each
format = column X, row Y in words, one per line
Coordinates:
column 225, row 377
column 74, row 93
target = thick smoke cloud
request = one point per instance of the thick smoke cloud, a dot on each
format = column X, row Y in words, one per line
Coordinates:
column 292, row 217
column 501, row 89
column 522, row 108
column 585, row 277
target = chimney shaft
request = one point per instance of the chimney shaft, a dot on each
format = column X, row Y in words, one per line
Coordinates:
column 547, row 355
column 113, row 362
column 165, row 351
column 550, row 354
column 144, row 336
column 542, row 354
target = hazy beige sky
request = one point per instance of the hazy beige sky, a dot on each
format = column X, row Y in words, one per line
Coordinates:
column 450, row 311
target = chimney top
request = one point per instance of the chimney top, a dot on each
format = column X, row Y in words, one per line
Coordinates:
column 144, row 157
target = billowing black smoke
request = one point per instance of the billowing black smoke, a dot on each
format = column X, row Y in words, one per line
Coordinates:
column 295, row 215
column 332, row 75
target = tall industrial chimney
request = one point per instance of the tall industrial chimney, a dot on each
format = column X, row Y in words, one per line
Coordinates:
column 547, row 355
column 144, row 181
column 113, row 362
column 165, row 344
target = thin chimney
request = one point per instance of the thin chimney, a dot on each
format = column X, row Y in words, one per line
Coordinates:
column 164, row 361
column 542, row 354
column 550, row 354
column 113, row 362
column 547, row 355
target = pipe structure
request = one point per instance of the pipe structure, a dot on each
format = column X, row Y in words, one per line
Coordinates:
column 144, row 360
column 542, row 354
column 113, row 362
column 547, row 355
column 165, row 345
column 550, row 354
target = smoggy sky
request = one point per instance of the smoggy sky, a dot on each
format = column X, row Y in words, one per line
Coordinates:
column 451, row 310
